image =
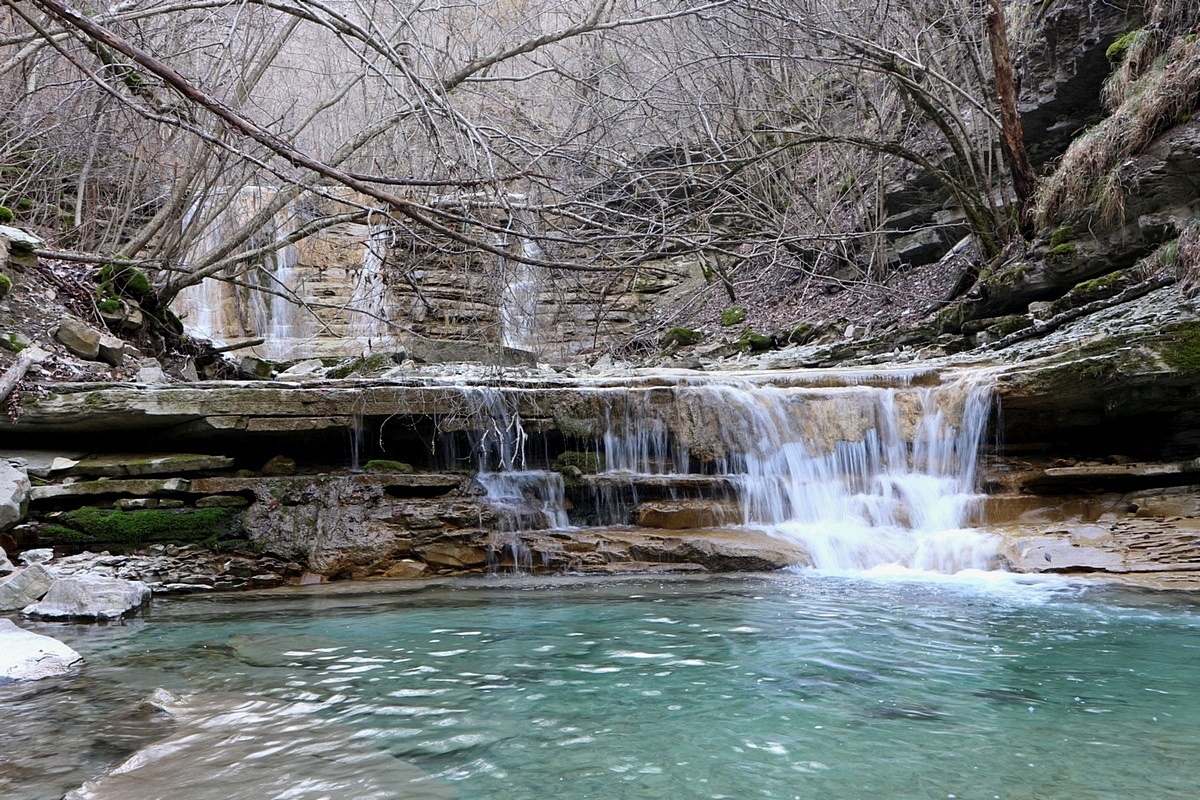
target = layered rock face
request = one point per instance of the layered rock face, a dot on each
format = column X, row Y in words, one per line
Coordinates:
column 371, row 290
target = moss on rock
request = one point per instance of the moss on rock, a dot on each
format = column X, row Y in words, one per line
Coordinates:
column 681, row 337
column 386, row 465
column 1181, row 348
column 92, row 527
column 734, row 315
column 753, row 342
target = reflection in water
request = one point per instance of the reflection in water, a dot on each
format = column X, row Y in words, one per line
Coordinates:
column 772, row 687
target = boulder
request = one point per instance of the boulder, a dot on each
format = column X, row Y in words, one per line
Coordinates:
column 25, row 587
column 150, row 371
column 78, row 337
column 313, row 369
column 29, row 656
column 91, row 597
column 6, row 566
column 278, row 466
column 14, row 495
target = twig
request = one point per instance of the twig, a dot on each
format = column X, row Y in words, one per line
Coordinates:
column 240, row 345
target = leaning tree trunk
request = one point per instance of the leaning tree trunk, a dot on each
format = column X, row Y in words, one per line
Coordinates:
column 1012, row 138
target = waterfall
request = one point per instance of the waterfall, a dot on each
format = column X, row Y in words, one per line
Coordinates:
column 863, row 472
column 519, row 298
column 859, row 476
column 225, row 313
column 369, row 325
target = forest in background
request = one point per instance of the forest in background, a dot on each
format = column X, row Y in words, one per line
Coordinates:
column 609, row 134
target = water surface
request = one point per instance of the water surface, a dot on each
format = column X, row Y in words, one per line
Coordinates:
column 782, row 686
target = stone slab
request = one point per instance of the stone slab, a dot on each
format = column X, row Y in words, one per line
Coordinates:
column 29, row 656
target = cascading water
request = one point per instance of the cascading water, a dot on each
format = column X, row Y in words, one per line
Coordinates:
column 878, row 471
column 521, row 499
column 222, row 312
column 860, row 476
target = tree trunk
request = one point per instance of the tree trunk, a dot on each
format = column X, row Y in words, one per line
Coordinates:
column 1012, row 138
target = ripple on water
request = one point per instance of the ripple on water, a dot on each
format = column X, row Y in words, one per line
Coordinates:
column 816, row 686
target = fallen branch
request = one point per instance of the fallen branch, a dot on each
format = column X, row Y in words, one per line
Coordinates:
column 16, row 371
column 239, row 346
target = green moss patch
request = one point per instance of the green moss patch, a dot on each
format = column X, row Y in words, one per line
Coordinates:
column 755, row 342
column 1115, row 53
column 1181, row 348
column 574, row 464
column 6, row 215
column 735, row 315
column 5, row 286
column 126, row 530
column 681, row 337
column 803, row 333
column 125, row 279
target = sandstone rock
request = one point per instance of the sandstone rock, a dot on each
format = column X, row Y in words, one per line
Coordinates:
column 90, row 597
column 134, row 503
column 279, row 466
column 406, row 568
column 151, row 371
column 683, row 514
column 78, row 337
column 15, row 341
column 132, row 487
column 25, row 587
column 189, row 372
column 14, row 494
column 137, row 464
column 29, row 656
column 453, row 555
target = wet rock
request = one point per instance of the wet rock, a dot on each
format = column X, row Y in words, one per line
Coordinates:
column 453, row 555
column 29, row 656
column 90, row 597
column 406, row 568
column 78, row 337
column 25, row 587
column 14, row 494
column 279, row 466
column 39, row 556
column 683, row 514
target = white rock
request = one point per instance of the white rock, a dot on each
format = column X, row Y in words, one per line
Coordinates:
column 14, row 494
column 6, row 566
column 25, row 587
column 305, row 370
column 42, row 555
column 28, row 656
column 151, row 371
column 90, row 597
